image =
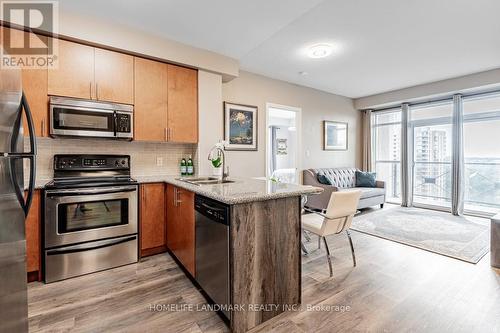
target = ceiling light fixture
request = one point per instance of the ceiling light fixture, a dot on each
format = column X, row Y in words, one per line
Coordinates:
column 319, row 51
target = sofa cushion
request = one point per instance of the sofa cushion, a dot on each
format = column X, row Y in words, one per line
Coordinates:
column 367, row 192
column 340, row 177
column 323, row 179
column 366, row 179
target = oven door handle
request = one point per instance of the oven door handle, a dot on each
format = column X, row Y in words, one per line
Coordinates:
column 79, row 193
column 95, row 246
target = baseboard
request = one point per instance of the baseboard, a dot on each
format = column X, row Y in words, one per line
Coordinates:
column 34, row 276
column 153, row 251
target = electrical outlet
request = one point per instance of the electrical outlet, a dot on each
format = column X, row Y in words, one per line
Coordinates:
column 159, row 161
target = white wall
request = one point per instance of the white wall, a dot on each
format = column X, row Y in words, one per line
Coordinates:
column 473, row 82
column 209, row 117
column 316, row 106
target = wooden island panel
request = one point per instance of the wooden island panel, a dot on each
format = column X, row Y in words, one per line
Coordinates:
column 265, row 257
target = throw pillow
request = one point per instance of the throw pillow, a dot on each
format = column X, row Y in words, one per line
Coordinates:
column 323, row 179
column 366, row 179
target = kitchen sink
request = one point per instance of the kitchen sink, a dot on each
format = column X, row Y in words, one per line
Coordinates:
column 205, row 180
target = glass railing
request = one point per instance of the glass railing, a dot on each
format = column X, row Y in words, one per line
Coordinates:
column 432, row 183
column 482, row 184
column 390, row 172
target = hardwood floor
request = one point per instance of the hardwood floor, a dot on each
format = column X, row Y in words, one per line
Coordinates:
column 394, row 288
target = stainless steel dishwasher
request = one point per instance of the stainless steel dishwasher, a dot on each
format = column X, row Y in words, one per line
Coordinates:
column 212, row 250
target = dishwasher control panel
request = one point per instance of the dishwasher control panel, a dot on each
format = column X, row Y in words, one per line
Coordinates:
column 212, row 209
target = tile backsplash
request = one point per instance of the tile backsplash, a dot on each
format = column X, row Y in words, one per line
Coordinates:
column 144, row 155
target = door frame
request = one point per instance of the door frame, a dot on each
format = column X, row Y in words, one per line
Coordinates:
column 298, row 126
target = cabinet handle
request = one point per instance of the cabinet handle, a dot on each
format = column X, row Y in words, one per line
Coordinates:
column 43, row 128
column 179, row 201
column 166, row 134
column 90, row 88
column 97, row 91
column 175, row 196
column 171, row 133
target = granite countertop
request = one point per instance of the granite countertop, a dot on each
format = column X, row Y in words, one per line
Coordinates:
column 240, row 191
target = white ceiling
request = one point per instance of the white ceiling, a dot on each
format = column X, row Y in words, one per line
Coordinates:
column 383, row 45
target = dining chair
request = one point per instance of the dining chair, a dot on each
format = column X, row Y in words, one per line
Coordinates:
column 337, row 219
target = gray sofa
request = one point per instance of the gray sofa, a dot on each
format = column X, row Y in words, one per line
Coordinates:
column 344, row 180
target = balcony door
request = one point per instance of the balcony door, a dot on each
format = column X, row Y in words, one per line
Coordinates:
column 431, row 138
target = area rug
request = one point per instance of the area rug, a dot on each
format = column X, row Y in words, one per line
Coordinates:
column 463, row 238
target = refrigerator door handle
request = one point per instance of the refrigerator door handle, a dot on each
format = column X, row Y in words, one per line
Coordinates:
column 31, row 156
column 31, row 126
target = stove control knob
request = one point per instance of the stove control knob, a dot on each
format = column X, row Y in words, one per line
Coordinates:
column 123, row 162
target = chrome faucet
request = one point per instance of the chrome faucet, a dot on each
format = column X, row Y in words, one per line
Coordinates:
column 220, row 152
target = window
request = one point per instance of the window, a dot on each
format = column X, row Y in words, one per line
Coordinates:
column 482, row 154
column 387, row 151
column 430, row 152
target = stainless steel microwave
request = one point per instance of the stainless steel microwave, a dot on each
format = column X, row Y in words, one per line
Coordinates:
column 86, row 118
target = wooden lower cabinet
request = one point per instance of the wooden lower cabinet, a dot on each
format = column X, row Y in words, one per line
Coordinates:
column 152, row 219
column 180, row 226
column 33, row 239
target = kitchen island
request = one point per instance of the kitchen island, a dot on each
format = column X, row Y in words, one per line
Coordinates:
column 264, row 243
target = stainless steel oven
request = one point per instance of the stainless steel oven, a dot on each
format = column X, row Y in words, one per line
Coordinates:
column 90, row 216
column 78, row 117
column 87, row 214
column 89, row 229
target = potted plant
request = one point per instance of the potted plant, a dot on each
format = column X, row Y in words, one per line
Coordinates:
column 217, row 165
column 216, row 157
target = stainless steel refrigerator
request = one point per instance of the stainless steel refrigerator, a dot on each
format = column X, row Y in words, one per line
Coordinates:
column 14, row 205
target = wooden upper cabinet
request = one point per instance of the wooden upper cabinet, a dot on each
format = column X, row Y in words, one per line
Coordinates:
column 182, row 104
column 74, row 76
column 152, row 217
column 34, row 81
column 150, row 100
column 114, row 76
column 35, row 89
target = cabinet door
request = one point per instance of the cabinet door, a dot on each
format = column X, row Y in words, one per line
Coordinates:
column 74, row 76
column 180, row 226
column 152, row 215
column 150, row 109
column 186, row 251
column 182, row 104
column 34, row 84
column 172, row 213
column 33, row 236
column 114, row 76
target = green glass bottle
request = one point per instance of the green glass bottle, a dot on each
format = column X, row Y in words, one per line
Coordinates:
column 183, row 167
column 190, row 166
